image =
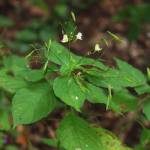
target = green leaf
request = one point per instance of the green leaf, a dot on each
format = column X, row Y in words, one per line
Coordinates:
column 15, row 64
column 145, row 136
column 50, row 142
column 114, row 36
column 32, row 104
column 131, row 75
column 62, row 56
column 146, row 109
column 125, row 100
column 11, row 84
column 33, row 75
column 143, row 89
column 91, row 62
column 95, row 94
column 69, row 92
column 75, row 134
column 109, row 140
column 58, row 53
column 107, row 78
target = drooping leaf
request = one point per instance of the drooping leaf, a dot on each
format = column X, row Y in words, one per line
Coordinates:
column 69, row 92
column 32, row 104
column 75, row 134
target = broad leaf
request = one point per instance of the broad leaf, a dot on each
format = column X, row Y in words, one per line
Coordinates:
column 95, row 94
column 32, row 104
column 75, row 134
column 133, row 76
column 33, row 75
column 107, row 79
column 15, row 64
column 125, row 100
column 58, row 53
column 11, row 84
column 69, row 92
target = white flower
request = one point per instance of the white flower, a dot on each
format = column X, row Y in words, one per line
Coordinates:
column 97, row 48
column 65, row 38
column 79, row 36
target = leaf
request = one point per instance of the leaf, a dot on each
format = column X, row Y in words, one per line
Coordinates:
column 114, row 36
column 75, row 134
column 50, row 142
column 109, row 140
column 145, row 136
column 131, row 75
column 15, row 64
column 69, row 92
column 11, row 84
column 143, row 89
column 33, row 75
column 32, row 104
column 91, row 62
column 125, row 100
column 146, row 109
column 58, row 53
column 62, row 56
column 107, row 78
column 95, row 94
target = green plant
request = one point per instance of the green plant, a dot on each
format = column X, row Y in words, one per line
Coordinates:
column 63, row 79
